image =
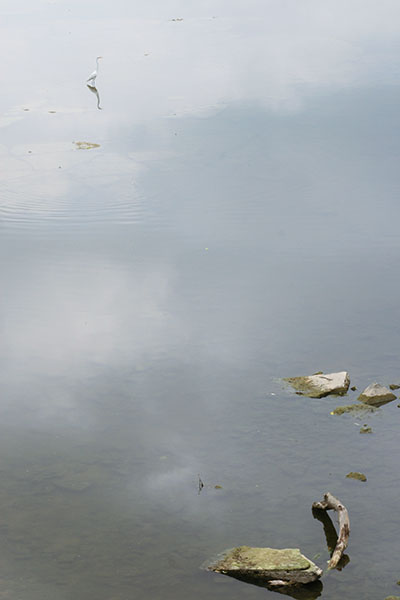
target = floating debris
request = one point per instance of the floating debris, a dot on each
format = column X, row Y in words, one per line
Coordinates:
column 331, row 503
column 86, row 145
column 356, row 475
column 176, row 20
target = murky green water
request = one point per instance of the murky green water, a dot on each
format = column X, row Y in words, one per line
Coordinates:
column 237, row 223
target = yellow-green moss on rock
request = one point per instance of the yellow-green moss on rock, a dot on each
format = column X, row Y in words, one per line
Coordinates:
column 287, row 564
column 356, row 475
column 350, row 408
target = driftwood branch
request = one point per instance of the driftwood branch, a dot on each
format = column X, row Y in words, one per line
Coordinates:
column 330, row 502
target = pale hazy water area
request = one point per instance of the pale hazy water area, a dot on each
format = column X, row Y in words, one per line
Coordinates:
column 237, row 222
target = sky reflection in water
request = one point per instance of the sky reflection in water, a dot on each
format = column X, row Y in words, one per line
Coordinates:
column 237, row 223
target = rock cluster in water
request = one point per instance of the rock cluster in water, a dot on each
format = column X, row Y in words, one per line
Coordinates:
column 321, row 384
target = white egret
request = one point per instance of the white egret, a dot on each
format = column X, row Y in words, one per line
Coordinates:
column 92, row 77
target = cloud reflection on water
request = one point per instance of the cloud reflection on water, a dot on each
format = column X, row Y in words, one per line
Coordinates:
column 276, row 54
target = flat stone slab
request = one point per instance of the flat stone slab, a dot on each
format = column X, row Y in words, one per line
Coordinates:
column 320, row 385
column 376, row 395
column 268, row 564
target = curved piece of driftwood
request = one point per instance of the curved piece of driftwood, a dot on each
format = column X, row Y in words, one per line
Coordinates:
column 330, row 502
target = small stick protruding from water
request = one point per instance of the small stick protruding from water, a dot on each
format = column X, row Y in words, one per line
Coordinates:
column 201, row 484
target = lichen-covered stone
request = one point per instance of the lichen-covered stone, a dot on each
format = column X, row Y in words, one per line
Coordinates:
column 320, row 385
column 376, row 395
column 356, row 475
column 268, row 564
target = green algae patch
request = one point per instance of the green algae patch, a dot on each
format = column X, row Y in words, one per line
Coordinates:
column 301, row 384
column 266, row 564
column 86, row 145
column 356, row 475
column 392, row 598
column 353, row 408
column 264, row 559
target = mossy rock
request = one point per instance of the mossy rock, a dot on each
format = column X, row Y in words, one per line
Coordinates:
column 86, row 145
column 321, row 385
column 287, row 564
column 360, row 407
column 356, row 475
column 366, row 429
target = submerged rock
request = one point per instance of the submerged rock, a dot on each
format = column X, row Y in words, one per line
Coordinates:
column 86, row 145
column 376, row 395
column 356, row 475
column 320, row 385
column 366, row 429
column 268, row 564
column 353, row 408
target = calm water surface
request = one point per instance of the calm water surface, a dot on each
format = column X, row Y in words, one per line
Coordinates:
column 238, row 222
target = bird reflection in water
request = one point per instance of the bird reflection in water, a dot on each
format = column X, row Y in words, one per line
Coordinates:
column 95, row 91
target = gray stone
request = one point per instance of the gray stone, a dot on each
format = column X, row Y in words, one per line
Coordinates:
column 267, row 564
column 320, row 385
column 376, row 395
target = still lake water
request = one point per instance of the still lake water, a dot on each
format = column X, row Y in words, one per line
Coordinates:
column 238, row 222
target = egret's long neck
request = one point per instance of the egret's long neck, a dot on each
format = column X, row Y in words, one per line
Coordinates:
column 97, row 64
